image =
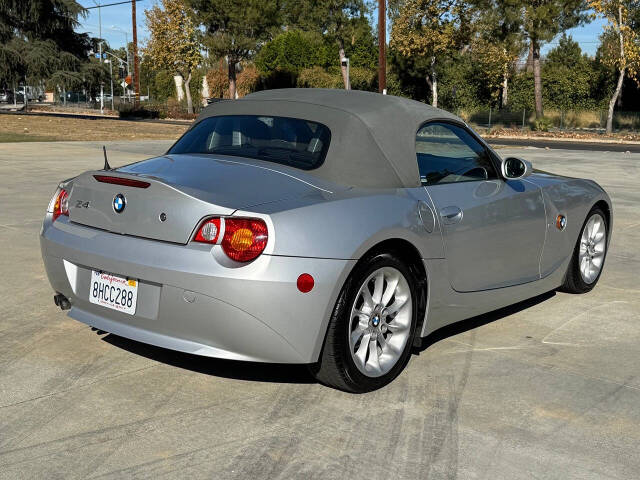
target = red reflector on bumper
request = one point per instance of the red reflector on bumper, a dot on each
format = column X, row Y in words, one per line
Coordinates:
column 305, row 283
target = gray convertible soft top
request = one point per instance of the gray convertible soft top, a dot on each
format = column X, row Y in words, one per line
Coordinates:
column 372, row 135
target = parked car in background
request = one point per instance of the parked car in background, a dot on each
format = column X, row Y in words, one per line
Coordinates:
column 6, row 96
column 33, row 94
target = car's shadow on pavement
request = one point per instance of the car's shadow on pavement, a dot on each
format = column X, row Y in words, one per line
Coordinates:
column 480, row 320
column 283, row 373
column 251, row 371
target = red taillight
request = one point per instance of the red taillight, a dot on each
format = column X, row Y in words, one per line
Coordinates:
column 127, row 182
column 61, row 206
column 243, row 239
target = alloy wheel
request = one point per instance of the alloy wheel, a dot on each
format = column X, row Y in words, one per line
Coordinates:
column 380, row 321
column 593, row 244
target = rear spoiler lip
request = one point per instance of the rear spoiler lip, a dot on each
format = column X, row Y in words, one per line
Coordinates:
column 90, row 176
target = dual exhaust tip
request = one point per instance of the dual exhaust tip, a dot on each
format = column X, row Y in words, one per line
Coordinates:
column 61, row 301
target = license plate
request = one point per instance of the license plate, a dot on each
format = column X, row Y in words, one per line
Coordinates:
column 113, row 292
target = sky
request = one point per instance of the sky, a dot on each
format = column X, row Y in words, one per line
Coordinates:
column 117, row 19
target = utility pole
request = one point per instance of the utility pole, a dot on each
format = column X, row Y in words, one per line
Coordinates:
column 382, row 42
column 136, row 67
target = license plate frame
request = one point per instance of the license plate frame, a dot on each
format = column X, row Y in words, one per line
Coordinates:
column 114, row 292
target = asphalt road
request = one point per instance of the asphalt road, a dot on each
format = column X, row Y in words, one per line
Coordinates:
column 547, row 389
column 567, row 145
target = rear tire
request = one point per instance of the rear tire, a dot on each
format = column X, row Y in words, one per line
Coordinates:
column 369, row 337
column 589, row 254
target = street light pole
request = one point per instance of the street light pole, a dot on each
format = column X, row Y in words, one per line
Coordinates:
column 110, row 62
column 100, row 49
column 122, row 62
column 136, row 67
column 382, row 41
column 126, row 51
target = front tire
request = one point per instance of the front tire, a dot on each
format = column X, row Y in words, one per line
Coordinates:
column 588, row 255
column 372, row 328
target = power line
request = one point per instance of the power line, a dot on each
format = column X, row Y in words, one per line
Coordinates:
column 112, row 4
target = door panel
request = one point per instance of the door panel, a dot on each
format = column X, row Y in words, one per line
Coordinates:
column 493, row 232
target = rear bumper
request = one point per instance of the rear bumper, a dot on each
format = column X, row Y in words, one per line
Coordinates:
column 192, row 299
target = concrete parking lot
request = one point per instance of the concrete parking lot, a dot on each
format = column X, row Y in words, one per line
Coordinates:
column 547, row 389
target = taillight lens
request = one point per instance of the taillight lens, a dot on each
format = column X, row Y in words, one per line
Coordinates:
column 242, row 239
column 61, row 205
column 209, row 231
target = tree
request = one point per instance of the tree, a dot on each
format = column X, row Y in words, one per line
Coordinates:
column 497, row 43
column 620, row 15
column 410, row 73
column 292, row 51
column 428, row 29
column 340, row 21
column 494, row 61
column 567, row 54
column 38, row 41
column 173, row 42
column 568, row 76
column 541, row 21
column 235, row 29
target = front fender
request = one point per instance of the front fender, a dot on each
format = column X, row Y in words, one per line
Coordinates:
column 573, row 198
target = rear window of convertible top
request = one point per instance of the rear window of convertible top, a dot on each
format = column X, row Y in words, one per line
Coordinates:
column 289, row 141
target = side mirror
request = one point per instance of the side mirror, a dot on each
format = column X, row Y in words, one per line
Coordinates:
column 514, row 168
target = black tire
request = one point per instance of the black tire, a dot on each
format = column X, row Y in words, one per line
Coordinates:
column 573, row 281
column 336, row 367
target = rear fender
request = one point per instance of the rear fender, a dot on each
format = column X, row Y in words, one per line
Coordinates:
column 346, row 225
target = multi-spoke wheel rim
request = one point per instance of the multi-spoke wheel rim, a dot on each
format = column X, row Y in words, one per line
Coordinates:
column 593, row 244
column 380, row 321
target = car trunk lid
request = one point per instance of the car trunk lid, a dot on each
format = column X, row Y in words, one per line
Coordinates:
column 178, row 192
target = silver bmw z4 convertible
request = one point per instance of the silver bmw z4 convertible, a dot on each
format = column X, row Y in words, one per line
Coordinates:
column 322, row 227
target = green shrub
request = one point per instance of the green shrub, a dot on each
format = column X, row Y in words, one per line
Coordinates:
column 363, row 78
column 317, row 77
column 542, row 124
column 394, row 86
column 292, row 51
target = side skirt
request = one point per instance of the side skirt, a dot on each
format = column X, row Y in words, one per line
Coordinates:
column 446, row 306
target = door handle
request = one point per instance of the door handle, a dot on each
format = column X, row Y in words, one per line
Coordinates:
column 451, row 215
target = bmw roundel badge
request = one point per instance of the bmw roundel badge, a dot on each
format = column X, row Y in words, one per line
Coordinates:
column 119, row 202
